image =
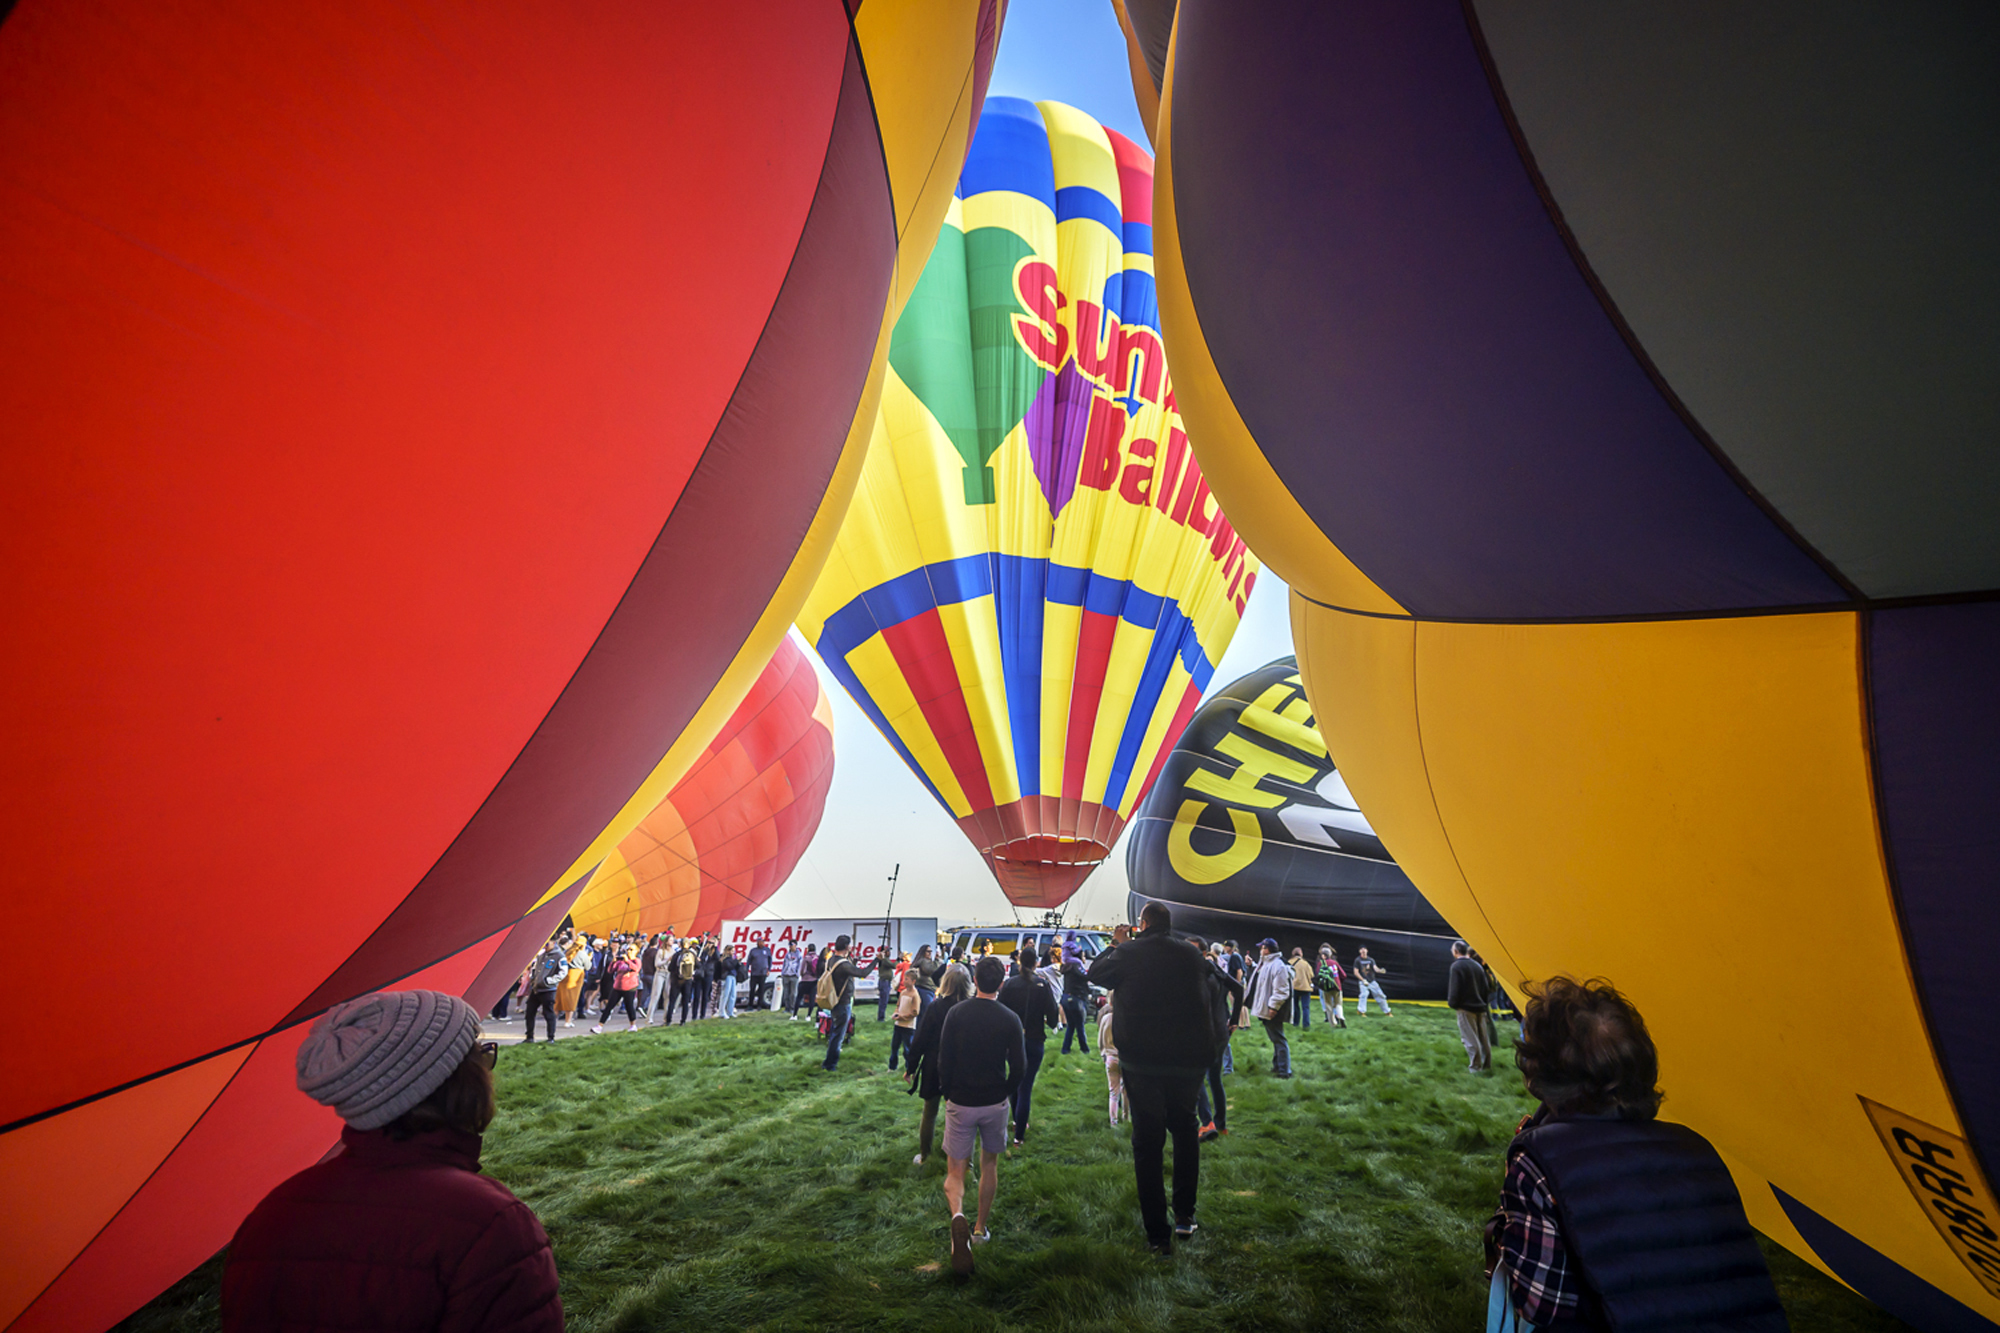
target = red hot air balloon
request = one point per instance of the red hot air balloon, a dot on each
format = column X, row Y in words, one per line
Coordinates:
column 729, row 833
column 422, row 423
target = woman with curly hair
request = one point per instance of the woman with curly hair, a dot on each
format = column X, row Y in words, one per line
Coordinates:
column 1610, row 1217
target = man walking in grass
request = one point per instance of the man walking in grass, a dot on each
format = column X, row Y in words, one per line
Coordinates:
column 981, row 1057
column 1465, row 993
column 1271, row 1001
column 1162, row 1022
column 1367, row 982
column 544, row 975
column 1075, row 998
column 845, row 972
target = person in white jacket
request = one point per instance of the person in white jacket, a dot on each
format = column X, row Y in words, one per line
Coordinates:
column 1271, row 1002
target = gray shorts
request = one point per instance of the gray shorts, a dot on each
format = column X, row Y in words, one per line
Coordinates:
column 963, row 1123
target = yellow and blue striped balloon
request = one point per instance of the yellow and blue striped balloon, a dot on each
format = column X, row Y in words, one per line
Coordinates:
column 1034, row 583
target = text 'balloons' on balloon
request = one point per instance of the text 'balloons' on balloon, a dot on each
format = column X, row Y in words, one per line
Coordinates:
column 1034, row 583
column 389, row 506
column 1614, row 388
column 1251, row 832
column 731, row 831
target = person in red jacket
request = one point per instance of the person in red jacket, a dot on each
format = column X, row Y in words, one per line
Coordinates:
column 397, row 1230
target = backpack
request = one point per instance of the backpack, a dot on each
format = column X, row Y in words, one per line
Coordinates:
column 686, row 968
column 1330, row 978
column 827, row 994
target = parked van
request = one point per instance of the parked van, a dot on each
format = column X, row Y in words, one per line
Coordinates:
column 1004, row 940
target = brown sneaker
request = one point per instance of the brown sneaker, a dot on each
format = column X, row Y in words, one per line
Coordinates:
column 961, row 1245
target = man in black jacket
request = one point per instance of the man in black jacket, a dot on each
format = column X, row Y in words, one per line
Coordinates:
column 980, row 1057
column 544, row 975
column 1033, row 1001
column 1161, row 1023
column 1075, row 999
column 1465, row 992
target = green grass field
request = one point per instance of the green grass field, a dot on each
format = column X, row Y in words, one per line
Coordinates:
column 713, row 1177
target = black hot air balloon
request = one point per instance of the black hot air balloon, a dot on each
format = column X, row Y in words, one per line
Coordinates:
column 1250, row 832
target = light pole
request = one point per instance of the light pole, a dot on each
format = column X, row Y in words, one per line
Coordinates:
column 889, row 916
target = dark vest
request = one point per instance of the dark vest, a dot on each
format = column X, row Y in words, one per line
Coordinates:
column 1653, row 1221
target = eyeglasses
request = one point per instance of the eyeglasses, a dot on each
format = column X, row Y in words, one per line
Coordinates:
column 488, row 1053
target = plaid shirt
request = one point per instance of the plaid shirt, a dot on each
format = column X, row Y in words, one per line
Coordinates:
column 1531, row 1246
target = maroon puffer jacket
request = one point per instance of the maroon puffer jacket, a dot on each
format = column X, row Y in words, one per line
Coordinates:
column 392, row 1236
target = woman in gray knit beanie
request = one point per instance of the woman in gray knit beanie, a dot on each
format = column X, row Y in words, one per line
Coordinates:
column 374, row 1058
column 396, row 1228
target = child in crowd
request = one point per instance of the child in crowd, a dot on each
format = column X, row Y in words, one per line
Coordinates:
column 1112, row 1075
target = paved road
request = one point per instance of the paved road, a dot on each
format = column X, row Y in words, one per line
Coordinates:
column 508, row 1031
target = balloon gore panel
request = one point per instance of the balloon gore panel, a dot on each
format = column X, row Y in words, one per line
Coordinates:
column 729, row 834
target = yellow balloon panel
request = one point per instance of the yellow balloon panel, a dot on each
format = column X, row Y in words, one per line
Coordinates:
column 1684, row 807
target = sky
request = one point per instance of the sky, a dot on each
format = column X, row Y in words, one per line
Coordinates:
column 878, row 815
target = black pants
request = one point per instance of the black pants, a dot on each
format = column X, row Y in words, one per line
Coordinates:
column 702, row 990
column 882, row 997
column 1211, row 1104
column 1163, row 1104
column 927, row 1126
column 628, row 998
column 688, row 990
column 1024, row 1096
column 500, row 1005
column 1281, row 1050
column 758, row 980
column 1073, row 1023
column 899, row 1039
column 542, row 1002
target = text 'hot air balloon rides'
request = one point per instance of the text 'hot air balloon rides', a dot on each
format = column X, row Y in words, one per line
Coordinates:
column 1251, row 832
column 1615, row 387
column 1034, row 582
column 422, row 422
column 729, row 833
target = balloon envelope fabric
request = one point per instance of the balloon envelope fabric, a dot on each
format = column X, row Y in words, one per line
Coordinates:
column 732, row 829
column 1033, row 584
column 423, row 422
column 1251, row 833
column 1622, row 416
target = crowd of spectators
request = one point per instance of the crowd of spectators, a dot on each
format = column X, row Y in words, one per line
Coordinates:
column 1608, row 1217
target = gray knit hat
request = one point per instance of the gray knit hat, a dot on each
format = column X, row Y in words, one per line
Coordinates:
column 374, row 1058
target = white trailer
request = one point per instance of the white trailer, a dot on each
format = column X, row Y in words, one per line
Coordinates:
column 898, row 934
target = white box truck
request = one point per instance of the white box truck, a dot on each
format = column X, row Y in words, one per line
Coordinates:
column 899, row 934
